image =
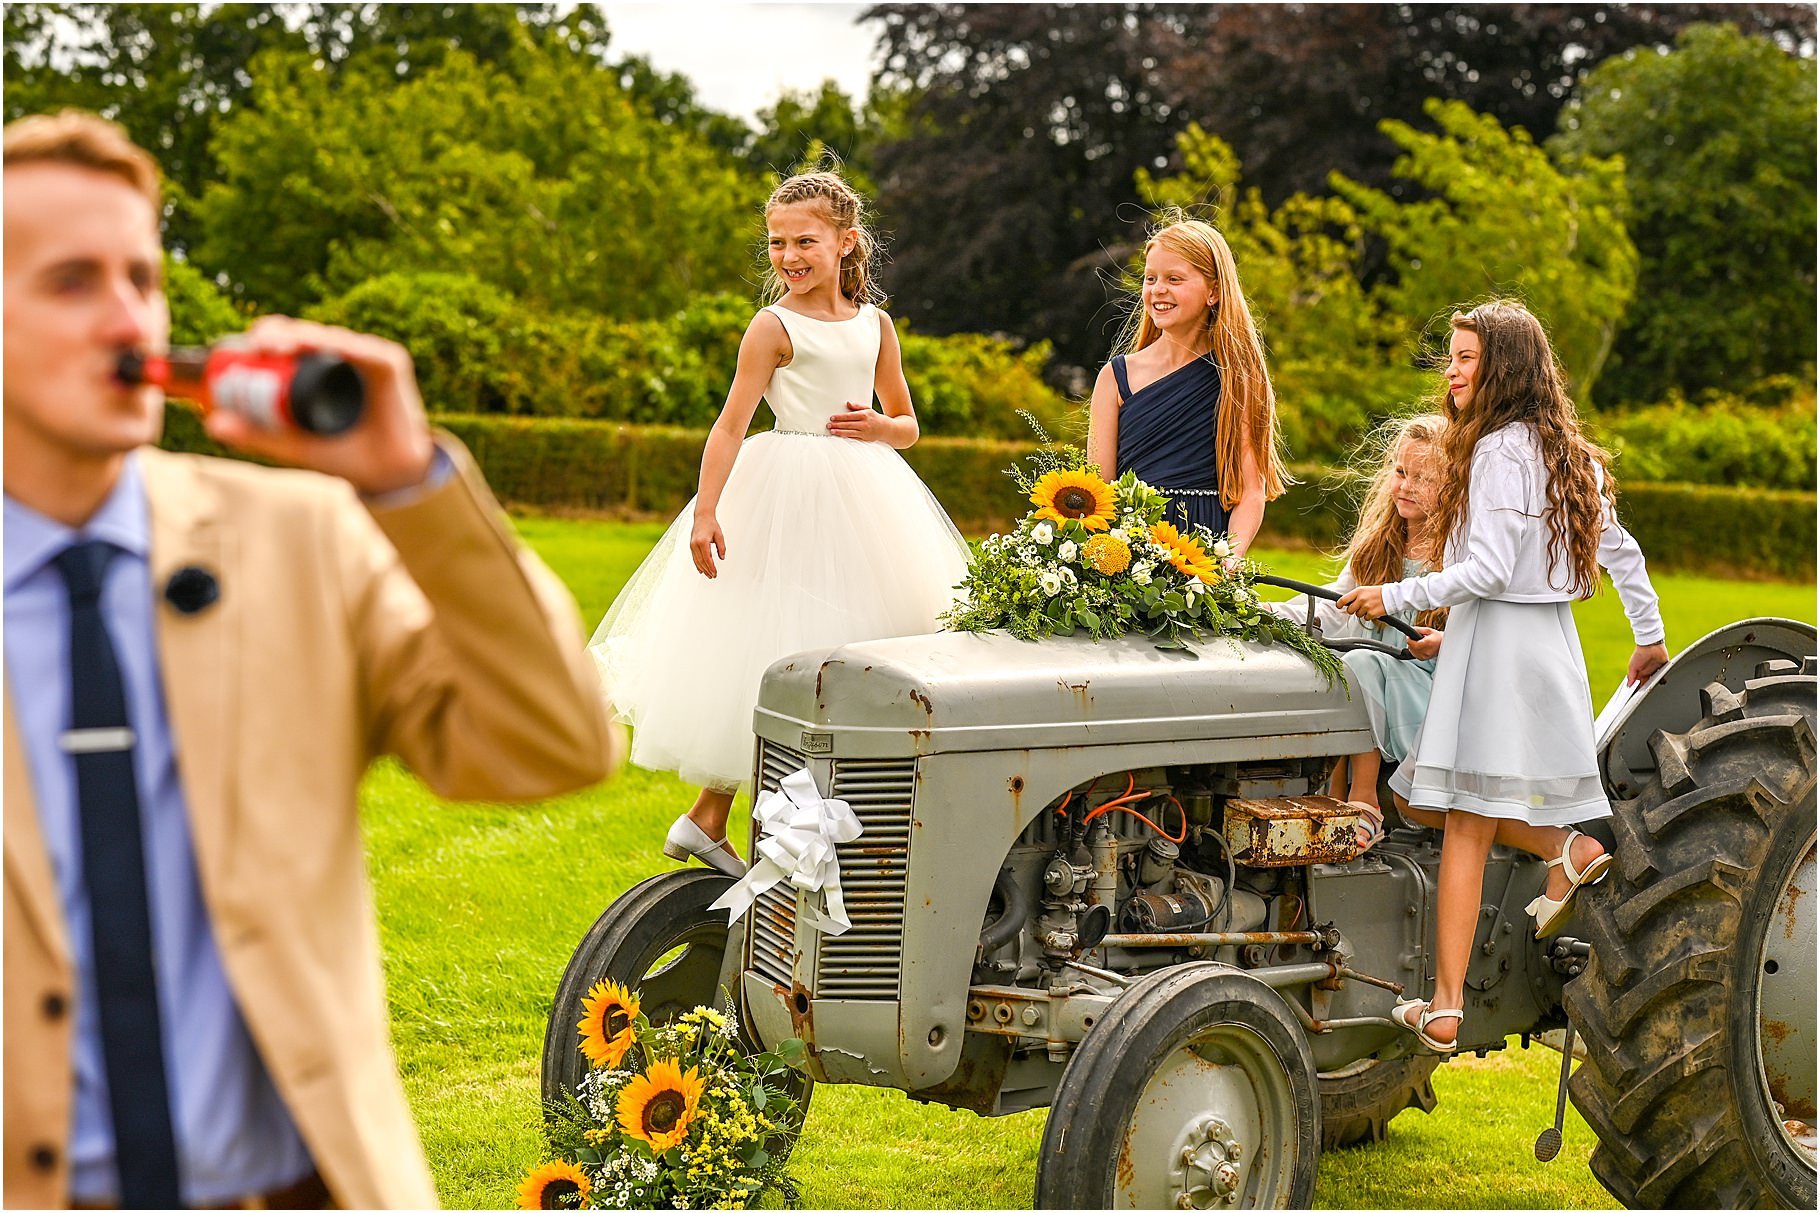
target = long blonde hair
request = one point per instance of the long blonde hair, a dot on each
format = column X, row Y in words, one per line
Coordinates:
column 846, row 209
column 1520, row 381
column 1247, row 419
column 1382, row 539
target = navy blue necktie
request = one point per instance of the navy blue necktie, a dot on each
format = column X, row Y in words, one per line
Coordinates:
column 100, row 739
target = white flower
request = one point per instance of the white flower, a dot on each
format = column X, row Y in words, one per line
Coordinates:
column 1027, row 554
column 1052, row 583
column 1140, row 572
column 1043, row 533
column 1068, row 551
column 1195, row 586
column 1241, row 594
column 1118, row 532
column 1221, row 548
column 1069, row 577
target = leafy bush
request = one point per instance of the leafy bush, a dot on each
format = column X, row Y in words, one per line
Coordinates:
column 1726, row 440
column 200, row 312
column 650, row 470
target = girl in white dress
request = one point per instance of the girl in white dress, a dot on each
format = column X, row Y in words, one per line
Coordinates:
column 813, row 534
column 1506, row 749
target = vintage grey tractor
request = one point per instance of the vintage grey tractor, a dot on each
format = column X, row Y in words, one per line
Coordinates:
column 1104, row 879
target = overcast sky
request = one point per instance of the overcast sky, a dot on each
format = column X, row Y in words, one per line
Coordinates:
column 741, row 56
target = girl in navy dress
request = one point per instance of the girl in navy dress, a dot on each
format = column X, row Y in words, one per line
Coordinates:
column 1188, row 405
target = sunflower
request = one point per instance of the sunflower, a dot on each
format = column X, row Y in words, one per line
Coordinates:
column 607, row 1014
column 551, row 1185
column 658, row 1106
column 1107, row 555
column 1184, row 552
column 1077, row 495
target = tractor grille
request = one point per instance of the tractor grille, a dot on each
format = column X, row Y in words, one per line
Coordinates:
column 864, row 963
column 774, row 913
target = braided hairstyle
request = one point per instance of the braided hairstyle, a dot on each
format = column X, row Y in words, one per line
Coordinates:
column 845, row 209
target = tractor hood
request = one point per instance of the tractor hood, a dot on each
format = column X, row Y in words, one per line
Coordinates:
column 915, row 695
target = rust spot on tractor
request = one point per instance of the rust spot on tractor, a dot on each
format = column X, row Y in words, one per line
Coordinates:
column 1127, row 1169
column 1789, row 909
column 801, row 1005
column 1017, row 785
column 1777, row 1031
column 922, row 701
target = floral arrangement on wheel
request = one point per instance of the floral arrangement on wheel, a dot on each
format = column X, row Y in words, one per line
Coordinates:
column 676, row 1116
column 1098, row 557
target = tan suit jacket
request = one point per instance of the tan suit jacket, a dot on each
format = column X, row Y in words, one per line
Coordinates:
column 433, row 636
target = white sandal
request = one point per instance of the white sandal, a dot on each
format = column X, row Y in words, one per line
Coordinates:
column 1419, row 1025
column 1550, row 913
column 686, row 838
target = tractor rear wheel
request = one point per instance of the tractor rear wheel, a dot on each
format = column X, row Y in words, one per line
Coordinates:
column 1359, row 1101
column 1698, row 1001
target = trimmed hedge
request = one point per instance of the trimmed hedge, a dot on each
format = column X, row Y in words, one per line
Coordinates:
column 629, row 470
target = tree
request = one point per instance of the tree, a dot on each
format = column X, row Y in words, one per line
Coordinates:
column 1498, row 216
column 1717, row 139
column 325, row 183
column 1030, row 119
column 171, row 73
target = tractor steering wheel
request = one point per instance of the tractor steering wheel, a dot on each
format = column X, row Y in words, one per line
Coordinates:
column 1345, row 644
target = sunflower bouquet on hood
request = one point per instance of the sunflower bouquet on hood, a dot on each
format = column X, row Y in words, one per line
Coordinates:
column 1098, row 557
column 676, row 1116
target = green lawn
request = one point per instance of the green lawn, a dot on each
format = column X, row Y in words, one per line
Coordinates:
column 481, row 906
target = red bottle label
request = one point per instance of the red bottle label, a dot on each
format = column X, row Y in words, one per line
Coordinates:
column 252, row 385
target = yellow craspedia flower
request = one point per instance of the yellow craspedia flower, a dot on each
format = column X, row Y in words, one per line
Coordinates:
column 606, row 1023
column 1078, row 496
column 1184, row 552
column 658, row 1106
column 1107, row 555
column 552, row 1186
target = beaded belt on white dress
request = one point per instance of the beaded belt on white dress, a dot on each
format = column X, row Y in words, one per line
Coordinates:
column 1187, row 492
column 807, row 433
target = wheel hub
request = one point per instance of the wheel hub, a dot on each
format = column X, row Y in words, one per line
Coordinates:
column 1209, row 1173
column 1785, row 1003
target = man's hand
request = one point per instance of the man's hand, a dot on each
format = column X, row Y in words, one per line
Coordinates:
column 1430, row 644
column 1645, row 661
column 860, row 421
column 389, row 448
column 1366, row 601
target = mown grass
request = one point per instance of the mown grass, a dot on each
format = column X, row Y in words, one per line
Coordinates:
column 480, row 907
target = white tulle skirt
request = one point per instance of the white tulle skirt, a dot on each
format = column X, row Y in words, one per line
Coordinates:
column 829, row 541
column 1509, row 728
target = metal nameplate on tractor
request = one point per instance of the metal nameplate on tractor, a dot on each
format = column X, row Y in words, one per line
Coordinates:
column 1289, row 831
column 817, row 743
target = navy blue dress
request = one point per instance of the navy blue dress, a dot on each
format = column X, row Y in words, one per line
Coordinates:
column 1166, row 437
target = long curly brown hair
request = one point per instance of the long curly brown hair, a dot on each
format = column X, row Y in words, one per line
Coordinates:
column 1520, row 381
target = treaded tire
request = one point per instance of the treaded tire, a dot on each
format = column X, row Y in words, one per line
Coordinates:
column 1200, row 1031
column 1673, row 1082
column 1357, row 1108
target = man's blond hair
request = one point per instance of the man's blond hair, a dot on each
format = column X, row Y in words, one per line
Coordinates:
column 85, row 140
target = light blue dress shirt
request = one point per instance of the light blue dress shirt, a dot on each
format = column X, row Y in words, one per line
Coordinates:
column 234, row 1134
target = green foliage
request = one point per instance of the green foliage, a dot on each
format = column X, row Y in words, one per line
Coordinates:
column 1718, row 144
column 972, row 385
column 199, row 311
column 1501, row 217
column 328, row 181
column 1724, row 440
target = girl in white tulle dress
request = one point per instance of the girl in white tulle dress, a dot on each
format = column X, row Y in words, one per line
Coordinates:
column 1506, row 749
column 812, row 534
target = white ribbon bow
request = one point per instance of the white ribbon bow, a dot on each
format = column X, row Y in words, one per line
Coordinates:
column 798, row 833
